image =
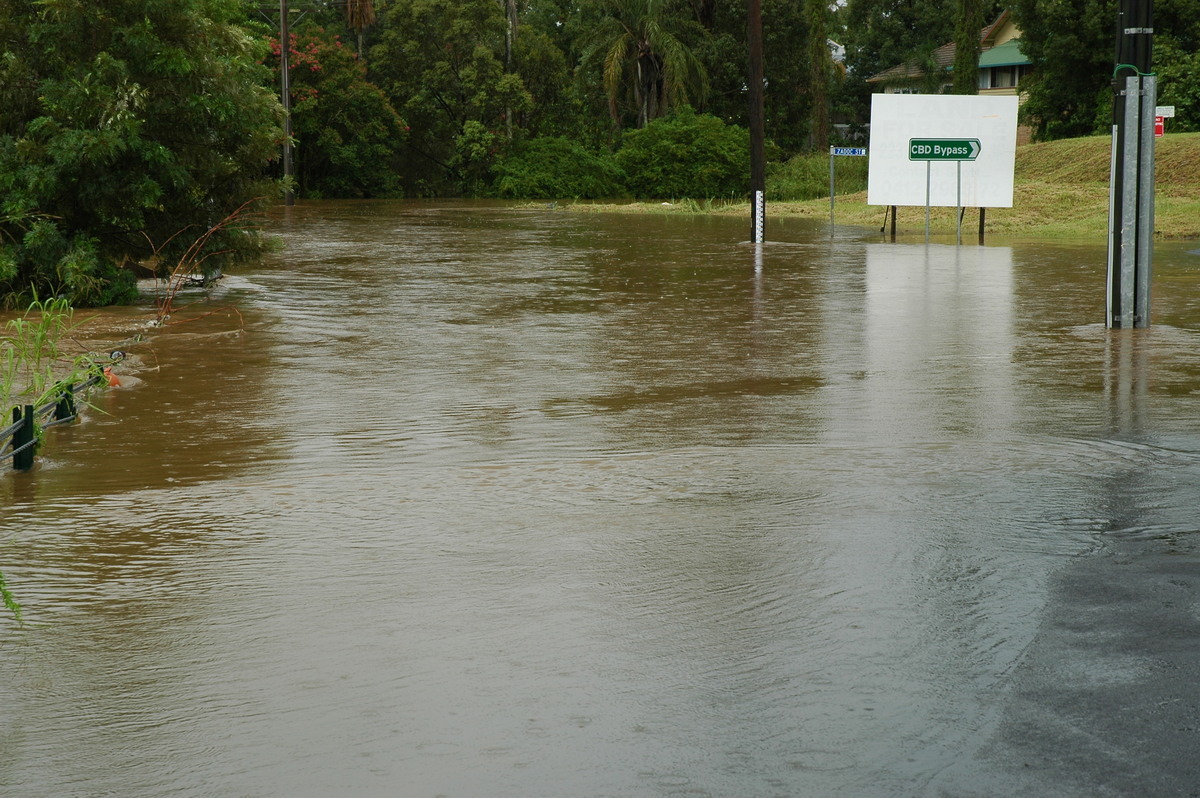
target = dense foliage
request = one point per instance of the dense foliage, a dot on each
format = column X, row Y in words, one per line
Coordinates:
column 123, row 124
column 130, row 125
column 349, row 138
column 1071, row 44
column 555, row 168
column 686, row 155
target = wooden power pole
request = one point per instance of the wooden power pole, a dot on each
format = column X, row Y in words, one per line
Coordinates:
column 758, row 164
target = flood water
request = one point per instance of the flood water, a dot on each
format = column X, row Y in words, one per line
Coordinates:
column 480, row 500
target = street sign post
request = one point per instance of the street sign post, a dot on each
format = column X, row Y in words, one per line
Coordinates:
column 835, row 151
column 956, row 150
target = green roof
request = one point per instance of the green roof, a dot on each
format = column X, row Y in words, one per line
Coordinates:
column 1007, row 54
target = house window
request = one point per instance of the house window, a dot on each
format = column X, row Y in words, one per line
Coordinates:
column 1002, row 77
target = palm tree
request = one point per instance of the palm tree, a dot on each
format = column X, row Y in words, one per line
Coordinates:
column 360, row 14
column 642, row 44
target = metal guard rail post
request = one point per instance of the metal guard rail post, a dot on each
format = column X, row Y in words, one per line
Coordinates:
column 23, row 430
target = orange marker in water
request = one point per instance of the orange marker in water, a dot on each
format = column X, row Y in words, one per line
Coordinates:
column 113, row 382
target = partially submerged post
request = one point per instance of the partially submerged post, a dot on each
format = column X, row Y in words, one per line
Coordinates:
column 23, row 438
column 834, row 152
column 1131, row 178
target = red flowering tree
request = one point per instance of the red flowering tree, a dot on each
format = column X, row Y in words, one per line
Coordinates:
column 348, row 136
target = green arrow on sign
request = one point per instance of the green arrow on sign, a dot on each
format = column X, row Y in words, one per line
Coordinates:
column 943, row 149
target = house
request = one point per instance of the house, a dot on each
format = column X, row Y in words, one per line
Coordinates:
column 1002, row 65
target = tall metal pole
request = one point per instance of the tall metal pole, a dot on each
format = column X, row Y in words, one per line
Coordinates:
column 758, row 160
column 285, row 96
column 1131, row 195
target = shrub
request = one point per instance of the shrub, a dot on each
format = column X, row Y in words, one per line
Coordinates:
column 686, row 155
column 554, row 168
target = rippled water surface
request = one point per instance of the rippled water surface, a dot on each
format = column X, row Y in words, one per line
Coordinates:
column 475, row 500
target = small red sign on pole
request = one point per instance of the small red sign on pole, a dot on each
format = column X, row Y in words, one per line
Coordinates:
column 1158, row 127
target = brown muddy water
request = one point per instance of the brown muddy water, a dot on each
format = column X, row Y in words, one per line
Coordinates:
column 477, row 500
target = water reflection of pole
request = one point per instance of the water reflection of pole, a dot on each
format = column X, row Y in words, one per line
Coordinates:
column 285, row 97
column 1126, row 382
column 758, row 165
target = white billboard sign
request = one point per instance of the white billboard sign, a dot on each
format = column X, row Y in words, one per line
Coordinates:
column 920, row 136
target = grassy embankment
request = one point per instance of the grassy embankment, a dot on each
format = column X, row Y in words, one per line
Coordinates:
column 1060, row 192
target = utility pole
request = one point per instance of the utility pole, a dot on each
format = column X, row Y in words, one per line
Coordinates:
column 285, row 96
column 758, row 161
column 1131, row 179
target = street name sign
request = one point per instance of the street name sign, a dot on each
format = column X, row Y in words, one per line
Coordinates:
column 943, row 149
column 847, row 150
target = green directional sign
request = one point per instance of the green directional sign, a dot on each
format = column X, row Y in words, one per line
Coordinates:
column 943, row 149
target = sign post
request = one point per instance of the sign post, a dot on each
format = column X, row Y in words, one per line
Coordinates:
column 1131, row 176
column 835, row 151
column 1161, row 114
column 956, row 150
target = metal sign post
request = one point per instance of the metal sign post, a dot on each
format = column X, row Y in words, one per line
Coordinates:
column 956, row 150
column 833, row 152
column 1131, row 178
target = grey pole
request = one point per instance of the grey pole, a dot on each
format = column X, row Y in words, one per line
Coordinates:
column 928, row 181
column 1129, row 202
column 1131, row 196
column 1145, row 213
column 831, row 190
column 1113, row 259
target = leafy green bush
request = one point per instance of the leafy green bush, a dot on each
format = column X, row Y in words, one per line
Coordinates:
column 555, row 168
column 686, row 155
column 806, row 176
column 36, row 256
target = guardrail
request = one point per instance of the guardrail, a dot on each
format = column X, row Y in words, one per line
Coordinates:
column 21, row 435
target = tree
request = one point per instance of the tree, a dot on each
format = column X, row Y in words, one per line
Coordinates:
column 643, row 47
column 1070, row 46
column 124, row 123
column 360, row 14
column 820, row 66
column 441, row 63
column 1179, row 83
column 882, row 33
column 790, row 52
column 879, row 34
column 349, row 136
column 968, row 26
